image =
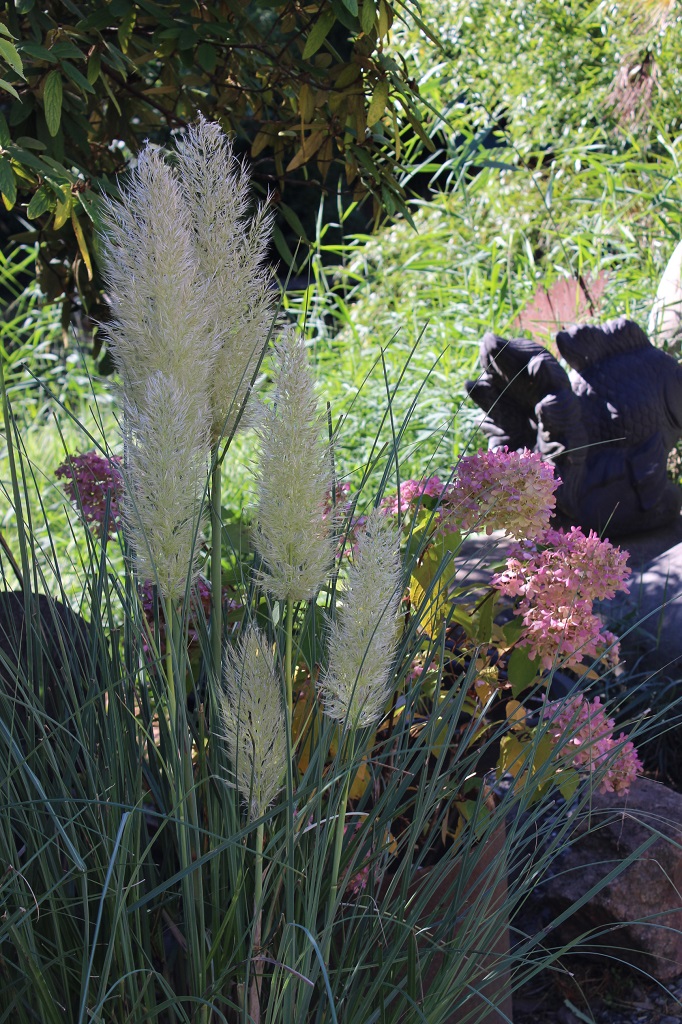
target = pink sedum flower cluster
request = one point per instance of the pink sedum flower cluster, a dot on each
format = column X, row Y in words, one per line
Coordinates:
column 503, row 490
column 580, row 729
column 557, row 578
column 90, row 480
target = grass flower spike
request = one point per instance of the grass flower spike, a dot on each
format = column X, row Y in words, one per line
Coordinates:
column 362, row 641
column 160, row 320
column 294, row 531
column 167, row 464
column 164, row 347
column 231, row 247
column 253, row 721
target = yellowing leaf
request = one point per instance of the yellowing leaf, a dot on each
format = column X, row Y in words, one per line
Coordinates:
column 516, row 713
column 385, row 19
column 63, row 211
column 308, row 149
column 378, row 102
column 82, row 245
column 306, row 103
column 361, row 781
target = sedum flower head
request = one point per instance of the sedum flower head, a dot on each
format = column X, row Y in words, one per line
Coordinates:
column 294, row 531
column 166, row 469
column 503, row 490
column 362, row 640
column 231, row 247
column 92, row 483
column 254, row 722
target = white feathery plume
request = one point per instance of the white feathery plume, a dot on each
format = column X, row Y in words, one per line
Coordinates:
column 167, row 456
column 363, row 639
column 157, row 293
column 164, row 347
column 253, row 720
column 293, row 538
column 231, row 246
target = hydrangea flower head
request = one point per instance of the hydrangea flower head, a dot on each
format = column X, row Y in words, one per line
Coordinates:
column 503, row 490
column 412, row 493
column 557, row 579
column 580, row 729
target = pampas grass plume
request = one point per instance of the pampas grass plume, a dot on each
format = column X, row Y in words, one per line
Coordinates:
column 231, row 247
column 293, row 538
column 253, row 721
column 362, row 640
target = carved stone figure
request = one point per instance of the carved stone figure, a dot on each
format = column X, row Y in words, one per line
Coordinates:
column 608, row 426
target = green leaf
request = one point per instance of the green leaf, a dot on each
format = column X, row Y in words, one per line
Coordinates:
column 8, row 185
column 318, row 34
column 292, row 219
column 38, row 52
column 351, row 6
column 521, row 670
column 66, row 50
column 513, row 630
column 367, row 16
column 9, row 54
column 484, row 631
column 94, row 68
column 52, row 101
column 282, row 247
column 42, row 201
column 6, row 87
column 207, row 57
column 77, row 77
column 5, row 137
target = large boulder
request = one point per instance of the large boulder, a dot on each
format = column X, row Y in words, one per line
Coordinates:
column 638, row 914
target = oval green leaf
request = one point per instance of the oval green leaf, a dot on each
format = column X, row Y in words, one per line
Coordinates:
column 521, row 670
column 52, row 101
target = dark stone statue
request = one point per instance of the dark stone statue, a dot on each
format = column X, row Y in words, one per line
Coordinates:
column 608, row 425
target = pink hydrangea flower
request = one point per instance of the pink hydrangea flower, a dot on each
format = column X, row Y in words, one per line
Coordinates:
column 411, row 494
column 90, row 480
column 580, row 730
column 503, row 490
column 557, row 579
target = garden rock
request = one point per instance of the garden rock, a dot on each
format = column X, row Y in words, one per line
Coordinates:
column 652, row 608
column 60, row 643
column 638, row 913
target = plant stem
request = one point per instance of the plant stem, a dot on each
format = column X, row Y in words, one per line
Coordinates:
column 288, row 663
column 216, row 569
column 185, row 798
column 256, row 982
column 170, row 673
column 336, row 862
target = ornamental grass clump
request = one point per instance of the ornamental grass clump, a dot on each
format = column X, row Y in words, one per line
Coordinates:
column 290, row 824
